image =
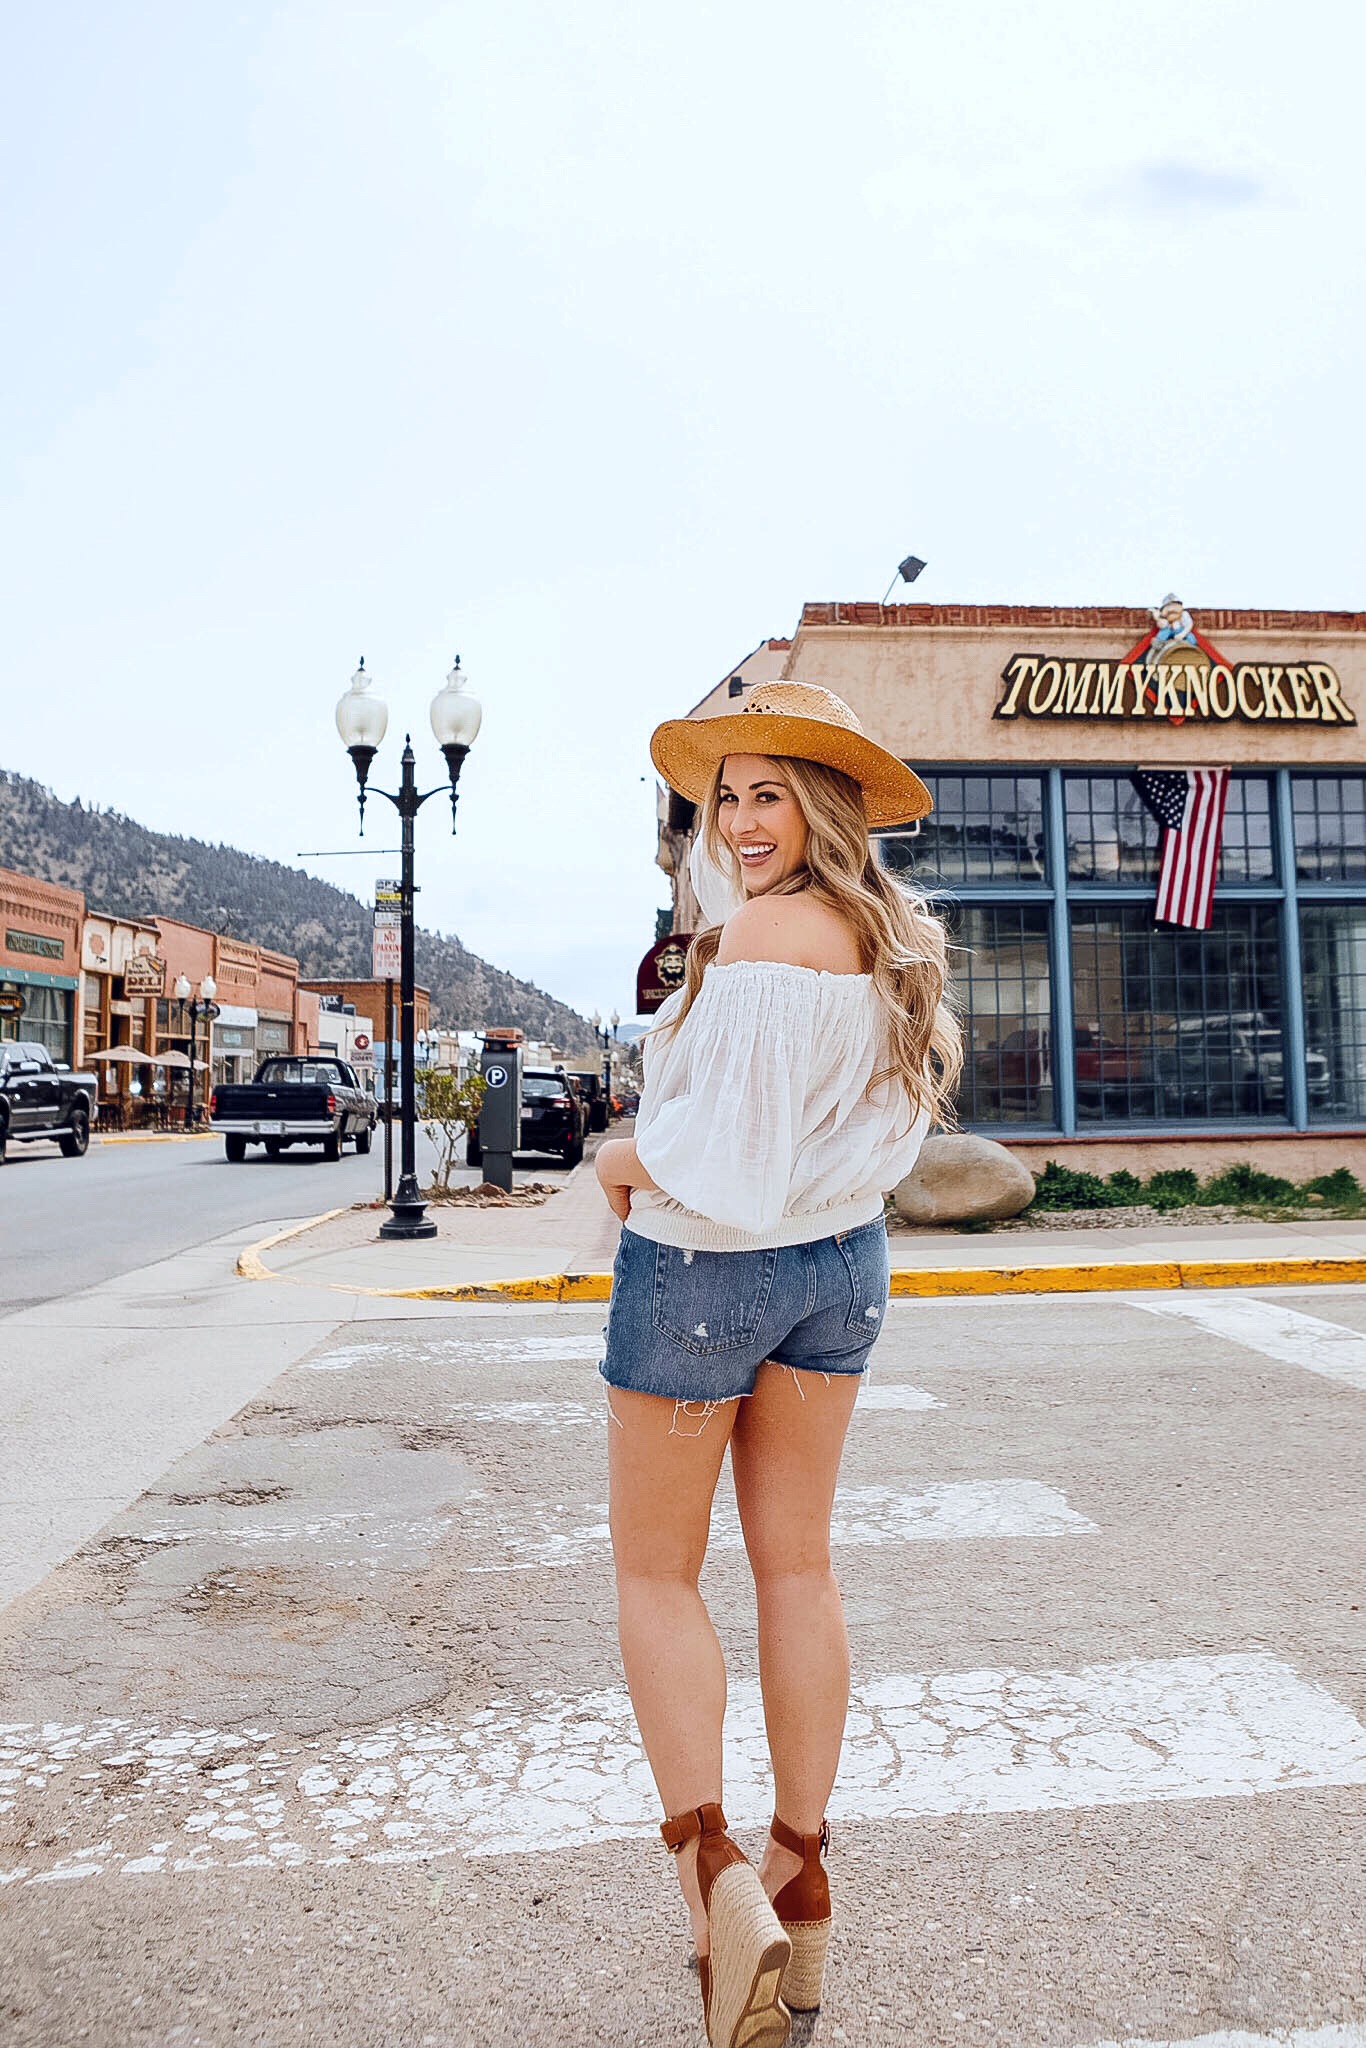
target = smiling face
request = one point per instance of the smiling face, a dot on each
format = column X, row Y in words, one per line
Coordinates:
column 761, row 819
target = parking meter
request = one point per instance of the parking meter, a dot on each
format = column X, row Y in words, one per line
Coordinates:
column 500, row 1116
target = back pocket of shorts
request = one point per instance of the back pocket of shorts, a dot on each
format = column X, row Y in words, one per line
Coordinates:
column 711, row 1301
column 868, row 1266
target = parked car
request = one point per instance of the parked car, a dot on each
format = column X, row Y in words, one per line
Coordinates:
column 590, row 1087
column 40, row 1098
column 295, row 1099
column 1110, row 1079
column 1233, row 1065
column 553, row 1117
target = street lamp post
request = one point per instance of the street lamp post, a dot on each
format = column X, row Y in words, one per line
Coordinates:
column 362, row 720
column 201, row 1003
column 605, row 1038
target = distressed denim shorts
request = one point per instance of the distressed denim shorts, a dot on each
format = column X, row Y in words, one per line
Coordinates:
column 696, row 1326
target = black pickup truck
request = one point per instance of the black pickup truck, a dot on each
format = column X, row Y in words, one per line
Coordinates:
column 40, row 1100
column 296, row 1099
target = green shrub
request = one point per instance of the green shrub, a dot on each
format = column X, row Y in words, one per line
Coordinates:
column 1171, row 1188
column 1340, row 1187
column 1061, row 1187
column 1243, row 1183
column 1241, row 1186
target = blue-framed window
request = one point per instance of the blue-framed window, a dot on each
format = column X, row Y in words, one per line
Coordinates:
column 1082, row 1014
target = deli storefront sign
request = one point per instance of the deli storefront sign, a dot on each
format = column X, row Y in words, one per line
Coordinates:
column 1292, row 693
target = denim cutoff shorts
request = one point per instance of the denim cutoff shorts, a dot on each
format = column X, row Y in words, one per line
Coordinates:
column 696, row 1326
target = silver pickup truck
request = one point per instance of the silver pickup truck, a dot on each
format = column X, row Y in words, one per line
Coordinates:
column 295, row 1099
column 39, row 1099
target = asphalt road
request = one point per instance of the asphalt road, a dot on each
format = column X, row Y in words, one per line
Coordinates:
column 71, row 1223
column 323, row 1739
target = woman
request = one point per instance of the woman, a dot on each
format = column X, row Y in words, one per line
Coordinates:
column 788, row 1085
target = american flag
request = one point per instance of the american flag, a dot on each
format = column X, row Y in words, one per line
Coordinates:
column 1188, row 803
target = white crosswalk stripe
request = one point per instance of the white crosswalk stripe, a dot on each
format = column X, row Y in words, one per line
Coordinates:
column 560, row 1770
column 538, row 1533
column 1288, row 1335
column 1294, row 2037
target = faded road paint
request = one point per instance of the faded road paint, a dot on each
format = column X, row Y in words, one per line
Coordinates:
column 559, row 1770
column 526, row 1535
column 1293, row 2037
column 1285, row 1334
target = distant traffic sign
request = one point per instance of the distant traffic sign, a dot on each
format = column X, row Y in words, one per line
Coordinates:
column 386, row 952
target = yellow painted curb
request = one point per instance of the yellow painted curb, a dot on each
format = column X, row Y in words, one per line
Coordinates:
column 151, row 1137
column 907, row 1282
column 1105, row 1275
column 1116, row 1276
column 249, row 1264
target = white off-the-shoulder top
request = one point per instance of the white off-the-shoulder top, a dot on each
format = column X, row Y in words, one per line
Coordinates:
column 754, row 1118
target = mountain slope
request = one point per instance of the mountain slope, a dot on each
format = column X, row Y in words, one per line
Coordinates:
column 124, row 868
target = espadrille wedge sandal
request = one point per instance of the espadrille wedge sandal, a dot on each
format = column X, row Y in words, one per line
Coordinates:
column 742, row 1977
column 803, row 1906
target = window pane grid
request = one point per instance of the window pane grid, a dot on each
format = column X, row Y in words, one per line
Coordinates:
column 1330, row 827
column 1172, row 1024
column 1113, row 837
column 983, row 828
column 1333, row 948
column 1000, row 973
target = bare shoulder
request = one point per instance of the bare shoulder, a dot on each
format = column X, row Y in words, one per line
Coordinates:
column 791, row 928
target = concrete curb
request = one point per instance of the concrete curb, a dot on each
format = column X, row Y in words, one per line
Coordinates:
column 250, row 1267
column 917, row 1282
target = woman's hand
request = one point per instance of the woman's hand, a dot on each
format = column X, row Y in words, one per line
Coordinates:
column 619, row 1171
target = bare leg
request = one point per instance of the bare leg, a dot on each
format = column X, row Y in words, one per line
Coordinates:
column 663, row 1466
column 785, row 1450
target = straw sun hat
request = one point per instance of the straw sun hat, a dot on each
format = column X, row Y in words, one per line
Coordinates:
column 795, row 719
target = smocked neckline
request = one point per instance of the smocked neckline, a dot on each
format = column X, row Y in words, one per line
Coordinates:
column 785, row 967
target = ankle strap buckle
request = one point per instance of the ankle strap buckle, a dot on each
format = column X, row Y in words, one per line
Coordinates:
column 681, row 1828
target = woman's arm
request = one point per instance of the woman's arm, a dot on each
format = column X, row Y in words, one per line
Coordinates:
column 619, row 1170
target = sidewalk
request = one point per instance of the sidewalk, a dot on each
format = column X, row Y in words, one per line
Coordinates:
column 563, row 1251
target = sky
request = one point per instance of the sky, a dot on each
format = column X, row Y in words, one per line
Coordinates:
column 591, row 343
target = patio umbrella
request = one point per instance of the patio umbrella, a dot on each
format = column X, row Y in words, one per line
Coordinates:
column 179, row 1060
column 129, row 1054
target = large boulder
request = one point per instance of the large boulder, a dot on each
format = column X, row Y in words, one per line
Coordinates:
column 962, row 1179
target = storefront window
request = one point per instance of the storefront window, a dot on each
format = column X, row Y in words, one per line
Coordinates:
column 1330, row 827
column 983, row 828
column 1171, row 1025
column 45, row 1018
column 1113, row 837
column 1000, row 971
column 1333, row 949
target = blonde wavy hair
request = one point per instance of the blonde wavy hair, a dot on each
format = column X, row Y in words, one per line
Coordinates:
column 901, row 943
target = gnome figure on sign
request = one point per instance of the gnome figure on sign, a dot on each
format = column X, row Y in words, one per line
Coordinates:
column 1173, row 626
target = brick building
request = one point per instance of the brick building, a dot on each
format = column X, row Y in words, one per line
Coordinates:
column 40, row 963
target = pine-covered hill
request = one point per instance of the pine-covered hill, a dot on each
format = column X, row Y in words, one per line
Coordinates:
column 122, row 867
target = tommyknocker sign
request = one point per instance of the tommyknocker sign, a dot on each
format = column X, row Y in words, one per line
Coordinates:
column 1186, row 684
